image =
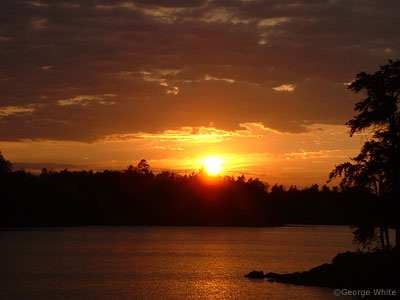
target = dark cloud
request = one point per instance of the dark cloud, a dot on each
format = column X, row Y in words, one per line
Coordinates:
column 156, row 65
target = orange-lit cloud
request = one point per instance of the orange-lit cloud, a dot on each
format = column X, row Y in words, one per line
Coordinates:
column 285, row 88
column 87, row 99
column 15, row 110
column 194, row 135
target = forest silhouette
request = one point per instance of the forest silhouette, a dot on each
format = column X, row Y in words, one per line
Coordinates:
column 137, row 196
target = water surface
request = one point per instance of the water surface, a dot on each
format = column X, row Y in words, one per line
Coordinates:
column 163, row 262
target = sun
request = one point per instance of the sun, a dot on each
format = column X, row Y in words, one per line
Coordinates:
column 213, row 165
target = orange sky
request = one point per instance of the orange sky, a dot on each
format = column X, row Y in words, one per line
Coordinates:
column 260, row 84
column 255, row 151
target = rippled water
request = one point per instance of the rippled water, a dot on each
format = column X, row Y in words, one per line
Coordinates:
column 163, row 262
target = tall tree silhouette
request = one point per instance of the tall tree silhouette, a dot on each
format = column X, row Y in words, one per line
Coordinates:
column 378, row 165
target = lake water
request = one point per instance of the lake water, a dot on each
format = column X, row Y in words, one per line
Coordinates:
column 127, row 263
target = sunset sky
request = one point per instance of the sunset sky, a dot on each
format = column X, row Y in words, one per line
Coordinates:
column 260, row 85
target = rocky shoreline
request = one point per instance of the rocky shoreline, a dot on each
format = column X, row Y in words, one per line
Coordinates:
column 347, row 270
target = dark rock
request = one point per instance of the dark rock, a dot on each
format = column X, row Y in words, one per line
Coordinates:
column 272, row 275
column 255, row 274
column 355, row 270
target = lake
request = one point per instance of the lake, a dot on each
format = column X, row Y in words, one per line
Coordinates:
column 127, row 263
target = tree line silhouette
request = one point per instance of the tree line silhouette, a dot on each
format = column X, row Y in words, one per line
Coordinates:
column 137, row 196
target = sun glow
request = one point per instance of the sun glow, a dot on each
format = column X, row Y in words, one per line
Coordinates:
column 212, row 165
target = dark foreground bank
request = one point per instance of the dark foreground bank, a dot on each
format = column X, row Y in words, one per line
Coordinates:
column 347, row 270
